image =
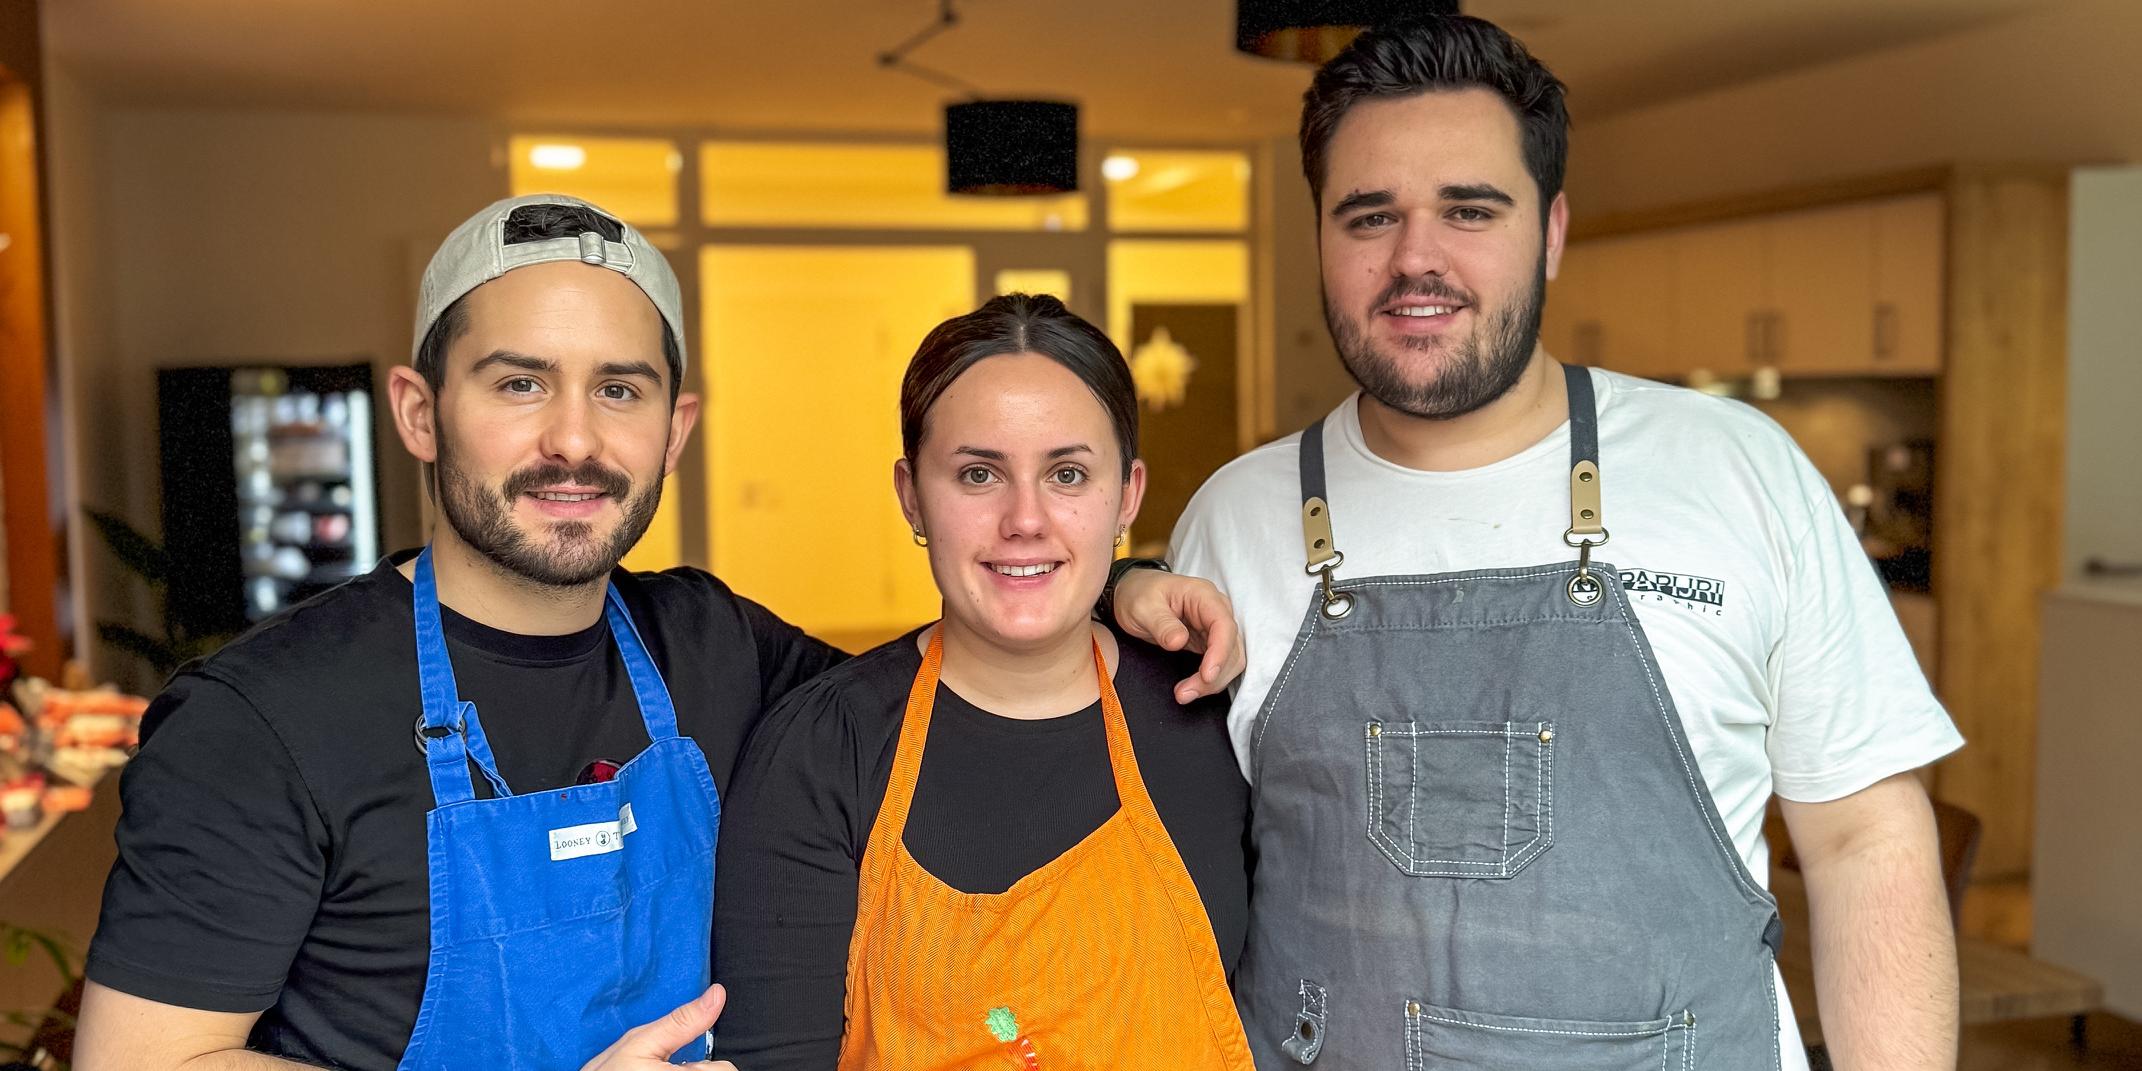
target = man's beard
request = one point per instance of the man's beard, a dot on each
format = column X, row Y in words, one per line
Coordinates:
column 572, row 556
column 1478, row 370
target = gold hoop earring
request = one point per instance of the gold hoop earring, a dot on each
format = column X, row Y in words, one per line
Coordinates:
column 1122, row 536
column 920, row 539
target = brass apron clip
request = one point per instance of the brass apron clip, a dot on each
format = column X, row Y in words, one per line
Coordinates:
column 1587, row 529
column 1324, row 557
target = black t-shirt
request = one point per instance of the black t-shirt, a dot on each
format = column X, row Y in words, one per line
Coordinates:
column 272, row 849
column 996, row 798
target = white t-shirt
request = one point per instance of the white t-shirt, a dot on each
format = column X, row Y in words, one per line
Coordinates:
column 1776, row 638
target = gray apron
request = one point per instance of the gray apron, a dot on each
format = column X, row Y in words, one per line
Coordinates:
column 1482, row 839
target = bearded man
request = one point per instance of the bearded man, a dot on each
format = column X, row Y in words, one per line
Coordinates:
column 461, row 812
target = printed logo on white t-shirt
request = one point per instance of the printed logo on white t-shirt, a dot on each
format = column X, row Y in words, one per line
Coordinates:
column 1701, row 594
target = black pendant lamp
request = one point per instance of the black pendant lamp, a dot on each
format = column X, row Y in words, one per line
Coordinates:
column 1313, row 31
column 999, row 148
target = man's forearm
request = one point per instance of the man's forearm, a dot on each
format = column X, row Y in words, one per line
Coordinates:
column 1885, row 953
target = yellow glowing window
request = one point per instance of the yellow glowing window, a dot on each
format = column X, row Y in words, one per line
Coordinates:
column 1179, row 271
column 633, row 178
column 1056, row 284
column 1176, row 191
column 876, row 187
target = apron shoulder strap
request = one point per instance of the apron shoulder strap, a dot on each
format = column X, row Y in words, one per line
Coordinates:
column 656, row 708
column 448, row 730
column 1587, row 518
column 1583, row 415
column 1318, row 546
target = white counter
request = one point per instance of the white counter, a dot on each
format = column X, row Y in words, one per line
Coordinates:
column 2086, row 877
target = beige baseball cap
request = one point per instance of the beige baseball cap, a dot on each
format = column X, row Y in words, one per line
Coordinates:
column 478, row 252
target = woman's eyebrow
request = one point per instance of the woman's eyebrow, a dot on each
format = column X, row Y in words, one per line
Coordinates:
column 987, row 454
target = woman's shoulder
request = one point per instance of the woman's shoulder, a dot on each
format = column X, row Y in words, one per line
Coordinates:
column 859, row 701
column 1146, row 676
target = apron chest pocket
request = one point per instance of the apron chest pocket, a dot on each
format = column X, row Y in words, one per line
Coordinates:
column 1444, row 1037
column 1460, row 799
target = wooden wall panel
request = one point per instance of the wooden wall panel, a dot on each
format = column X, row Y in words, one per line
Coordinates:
column 1998, row 492
column 32, row 545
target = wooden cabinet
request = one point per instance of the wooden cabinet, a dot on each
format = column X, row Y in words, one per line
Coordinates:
column 1909, row 256
column 1821, row 300
column 1607, row 307
column 1719, row 298
column 1569, row 325
column 1841, row 290
column 1635, row 323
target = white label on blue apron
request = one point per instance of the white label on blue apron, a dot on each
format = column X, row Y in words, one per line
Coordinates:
column 594, row 838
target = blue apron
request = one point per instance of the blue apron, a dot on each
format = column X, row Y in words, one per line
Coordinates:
column 559, row 919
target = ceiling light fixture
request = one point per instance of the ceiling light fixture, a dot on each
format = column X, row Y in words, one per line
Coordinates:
column 557, row 157
column 1313, row 31
column 996, row 147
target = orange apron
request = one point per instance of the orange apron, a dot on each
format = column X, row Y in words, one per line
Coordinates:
column 1102, row 958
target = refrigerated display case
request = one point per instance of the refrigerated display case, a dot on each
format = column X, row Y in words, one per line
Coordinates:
column 270, row 493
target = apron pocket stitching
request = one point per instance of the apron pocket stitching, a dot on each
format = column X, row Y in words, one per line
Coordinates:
column 1429, row 1027
column 1406, row 852
column 1635, row 1030
column 1509, row 802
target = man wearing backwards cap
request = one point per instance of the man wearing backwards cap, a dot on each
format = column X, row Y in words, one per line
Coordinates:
column 380, row 830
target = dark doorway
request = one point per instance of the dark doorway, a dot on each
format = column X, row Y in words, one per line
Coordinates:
column 1187, row 413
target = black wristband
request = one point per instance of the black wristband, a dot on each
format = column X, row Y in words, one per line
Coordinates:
column 1106, row 608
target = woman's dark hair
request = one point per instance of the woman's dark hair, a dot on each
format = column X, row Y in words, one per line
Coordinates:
column 1440, row 52
column 1019, row 323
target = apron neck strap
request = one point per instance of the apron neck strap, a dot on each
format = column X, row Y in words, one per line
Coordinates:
column 449, row 731
column 885, row 834
column 891, row 825
column 648, row 688
column 1587, row 517
column 1587, row 520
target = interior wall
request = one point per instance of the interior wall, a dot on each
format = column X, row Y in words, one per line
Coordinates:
column 1307, row 378
column 2104, row 505
column 218, row 237
column 80, row 332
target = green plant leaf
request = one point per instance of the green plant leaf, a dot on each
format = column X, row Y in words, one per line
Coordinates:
column 20, row 941
column 134, row 550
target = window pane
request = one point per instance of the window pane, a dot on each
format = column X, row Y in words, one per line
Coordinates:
column 634, row 178
column 1163, row 271
column 805, row 347
column 877, row 187
column 1177, row 191
column 1056, row 284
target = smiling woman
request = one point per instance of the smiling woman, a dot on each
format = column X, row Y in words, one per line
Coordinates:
column 1073, row 828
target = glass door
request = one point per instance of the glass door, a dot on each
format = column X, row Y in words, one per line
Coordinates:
column 805, row 348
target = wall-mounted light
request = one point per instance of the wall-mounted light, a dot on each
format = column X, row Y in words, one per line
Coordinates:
column 1119, row 168
column 556, row 157
column 1011, row 147
column 1313, row 31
